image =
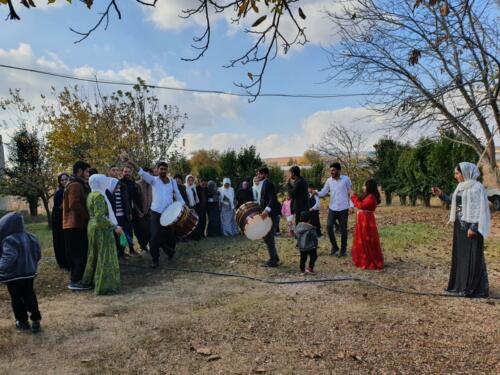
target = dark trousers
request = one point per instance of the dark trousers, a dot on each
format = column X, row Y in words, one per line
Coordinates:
column 271, row 245
column 161, row 236
column 23, row 300
column 315, row 221
column 142, row 229
column 124, row 222
column 76, row 245
column 312, row 254
column 341, row 217
column 202, row 223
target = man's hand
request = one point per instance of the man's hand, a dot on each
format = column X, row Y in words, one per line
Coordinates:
column 471, row 233
column 264, row 215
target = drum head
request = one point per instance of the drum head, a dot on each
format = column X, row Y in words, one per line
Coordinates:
column 171, row 214
column 258, row 228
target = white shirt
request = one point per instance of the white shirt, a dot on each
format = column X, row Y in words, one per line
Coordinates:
column 339, row 193
column 316, row 203
column 163, row 193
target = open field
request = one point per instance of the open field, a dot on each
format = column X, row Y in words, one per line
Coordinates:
column 167, row 322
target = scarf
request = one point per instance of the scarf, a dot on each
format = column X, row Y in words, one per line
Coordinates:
column 226, row 192
column 256, row 188
column 99, row 183
column 191, row 193
column 475, row 207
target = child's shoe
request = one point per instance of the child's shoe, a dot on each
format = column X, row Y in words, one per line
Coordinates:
column 310, row 271
column 22, row 326
column 35, row 326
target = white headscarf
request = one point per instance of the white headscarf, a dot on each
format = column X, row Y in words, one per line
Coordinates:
column 256, row 188
column 475, row 207
column 99, row 183
column 191, row 192
column 226, row 192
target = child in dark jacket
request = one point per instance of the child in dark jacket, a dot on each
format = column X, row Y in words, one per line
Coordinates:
column 307, row 242
column 19, row 256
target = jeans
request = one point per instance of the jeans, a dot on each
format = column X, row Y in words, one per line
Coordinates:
column 161, row 236
column 24, row 300
column 313, row 255
column 341, row 217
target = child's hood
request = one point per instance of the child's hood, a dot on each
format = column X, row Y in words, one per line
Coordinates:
column 304, row 227
column 10, row 224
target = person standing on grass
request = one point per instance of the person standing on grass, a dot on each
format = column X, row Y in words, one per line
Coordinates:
column 202, row 206
column 286, row 212
column 366, row 252
column 339, row 187
column 20, row 253
column 102, row 270
column 144, row 214
column 164, row 191
column 244, row 194
column 134, row 203
column 298, row 188
column 119, row 200
column 227, row 201
column 75, row 220
column 57, row 223
column 213, row 210
column 470, row 213
column 314, row 203
column 307, row 242
column 180, row 185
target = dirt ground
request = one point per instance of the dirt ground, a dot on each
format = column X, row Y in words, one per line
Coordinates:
column 167, row 322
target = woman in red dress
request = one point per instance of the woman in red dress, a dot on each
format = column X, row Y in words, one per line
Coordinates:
column 366, row 251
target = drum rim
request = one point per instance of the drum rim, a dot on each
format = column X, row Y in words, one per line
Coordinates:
column 179, row 215
column 263, row 220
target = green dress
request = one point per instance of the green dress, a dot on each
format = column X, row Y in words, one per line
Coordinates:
column 102, row 270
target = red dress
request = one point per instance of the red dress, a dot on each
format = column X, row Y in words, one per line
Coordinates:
column 366, row 251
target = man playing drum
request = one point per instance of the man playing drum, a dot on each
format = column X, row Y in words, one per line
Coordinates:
column 164, row 189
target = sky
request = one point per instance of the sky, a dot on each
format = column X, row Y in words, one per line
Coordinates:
column 150, row 43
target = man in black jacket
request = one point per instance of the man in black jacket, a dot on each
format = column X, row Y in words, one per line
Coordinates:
column 269, row 204
column 134, row 202
column 298, row 189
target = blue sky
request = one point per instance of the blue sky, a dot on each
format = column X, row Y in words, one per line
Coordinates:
column 151, row 44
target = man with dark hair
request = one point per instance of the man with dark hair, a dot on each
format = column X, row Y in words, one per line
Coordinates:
column 180, row 184
column 339, row 187
column 298, row 189
column 269, row 203
column 134, row 202
column 143, row 216
column 164, row 190
column 75, row 220
column 93, row 171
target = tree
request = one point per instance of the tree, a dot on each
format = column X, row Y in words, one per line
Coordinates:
column 228, row 166
column 345, row 145
column 203, row 158
column 315, row 174
column 276, row 26
column 248, row 162
column 433, row 63
column 179, row 163
column 312, row 157
column 277, row 177
column 209, row 172
column 82, row 128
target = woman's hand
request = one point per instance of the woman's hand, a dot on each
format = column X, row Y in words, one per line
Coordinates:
column 437, row 191
column 118, row 230
column 471, row 233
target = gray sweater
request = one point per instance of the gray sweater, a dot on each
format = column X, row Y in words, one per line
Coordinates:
column 307, row 238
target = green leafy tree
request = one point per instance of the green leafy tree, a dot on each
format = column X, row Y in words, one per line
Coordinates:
column 179, row 163
column 277, row 177
column 209, row 172
column 315, row 175
column 228, row 166
column 248, row 162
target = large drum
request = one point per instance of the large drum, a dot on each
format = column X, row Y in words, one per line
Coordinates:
column 251, row 223
column 181, row 218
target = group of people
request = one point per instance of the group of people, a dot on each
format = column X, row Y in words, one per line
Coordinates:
column 95, row 217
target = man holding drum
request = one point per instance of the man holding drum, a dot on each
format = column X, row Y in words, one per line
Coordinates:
column 164, row 189
column 269, row 203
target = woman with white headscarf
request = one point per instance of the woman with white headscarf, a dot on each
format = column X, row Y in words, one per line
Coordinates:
column 257, row 186
column 192, row 195
column 470, row 214
column 102, row 268
column 227, row 202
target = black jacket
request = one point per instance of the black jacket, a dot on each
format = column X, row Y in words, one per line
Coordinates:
column 243, row 196
column 268, row 198
column 19, row 251
column 300, row 195
column 127, row 209
column 133, row 194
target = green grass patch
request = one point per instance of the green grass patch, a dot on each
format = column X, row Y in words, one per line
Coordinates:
column 44, row 235
column 404, row 237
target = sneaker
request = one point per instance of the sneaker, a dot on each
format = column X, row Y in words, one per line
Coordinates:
column 342, row 255
column 35, row 326
column 334, row 251
column 155, row 264
column 22, row 326
column 78, row 286
column 271, row 264
column 310, row 271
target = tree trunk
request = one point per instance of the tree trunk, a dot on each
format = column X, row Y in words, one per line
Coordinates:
column 45, row 201
column 388, row 198
column 402, row 200
column 33, row 206
column 413, row 200
column 426, row 200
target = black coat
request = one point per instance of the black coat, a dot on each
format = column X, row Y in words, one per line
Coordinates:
column 243, row 196
column 268, row 198
column 300, row 195
column 133, row 194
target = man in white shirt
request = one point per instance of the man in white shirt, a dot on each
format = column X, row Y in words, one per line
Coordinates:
column 164, row 190
column 339, row 187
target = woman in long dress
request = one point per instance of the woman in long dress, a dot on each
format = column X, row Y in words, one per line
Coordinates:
column 102, row 268
column 366, row 251
column 57, row 221
column 470, row 214
column 192, row 201
column 227, row 205
column 213, row 211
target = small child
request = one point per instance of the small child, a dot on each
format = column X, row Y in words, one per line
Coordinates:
column 286, row 212
column 314, row 203
column 307, row 242
column 19, row 256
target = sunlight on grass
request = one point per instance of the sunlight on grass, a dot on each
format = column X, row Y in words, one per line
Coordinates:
column 403, row 237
